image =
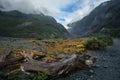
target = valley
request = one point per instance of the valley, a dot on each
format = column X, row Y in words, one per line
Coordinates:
column 50, row 51
column 64, row 41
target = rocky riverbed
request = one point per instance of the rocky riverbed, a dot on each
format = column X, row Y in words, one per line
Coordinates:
column 107, row 66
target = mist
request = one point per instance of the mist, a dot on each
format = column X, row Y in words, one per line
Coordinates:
column 65, row 12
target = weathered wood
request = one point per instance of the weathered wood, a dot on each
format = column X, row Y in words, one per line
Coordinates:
column 56, row 68
column 62, row 66
column 6, row 62
column 27, row 54
column 11, row 62
column 3, row 57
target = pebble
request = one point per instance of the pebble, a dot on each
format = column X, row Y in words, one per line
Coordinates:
column 105, row 66
column 119, row 71
column 103, row 59
column 91, row 76
column 91, row 71
column 89, row 62
column 112, row 55
column 79, row 79
column 96, row 66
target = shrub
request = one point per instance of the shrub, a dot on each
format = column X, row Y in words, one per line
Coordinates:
column 107, row 39
column 31, row 76
column 96, row 43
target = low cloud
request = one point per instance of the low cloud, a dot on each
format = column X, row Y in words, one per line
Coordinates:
column 65, row 12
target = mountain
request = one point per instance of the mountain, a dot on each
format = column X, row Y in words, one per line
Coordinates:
column 17, row 24
column 104, row 19
column 1, row 7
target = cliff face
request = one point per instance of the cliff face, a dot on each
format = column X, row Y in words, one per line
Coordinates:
column 17, row 24
column 104, row 19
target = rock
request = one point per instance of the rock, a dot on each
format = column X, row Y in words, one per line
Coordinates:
column 96, row 66
column 112, row 55
column 119, row 71
column 89, row 62
column 103, row 59
column 105, row 66
column 91, row 76
column 91, row 71
column 77, row 79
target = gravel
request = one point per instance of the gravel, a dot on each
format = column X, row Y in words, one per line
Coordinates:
column 107, row 66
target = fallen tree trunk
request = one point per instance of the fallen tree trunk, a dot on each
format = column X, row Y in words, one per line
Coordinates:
column 4, row 56
column 11, row 62
column 56, row 68
column 60, row 67
column 6, row 62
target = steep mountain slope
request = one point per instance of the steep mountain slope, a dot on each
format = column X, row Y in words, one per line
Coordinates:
column 104, row 19
column 17, row 24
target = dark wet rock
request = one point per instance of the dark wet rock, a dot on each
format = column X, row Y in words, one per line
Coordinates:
column 112, row 55
column 119, row 71
column 96, row 66
column 91, row 71
column 91, row 76
column 103, row 59
column 105, row 66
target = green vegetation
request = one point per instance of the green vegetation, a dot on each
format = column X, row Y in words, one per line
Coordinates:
column 31, row 76
column 16, row 24
column 112, row 32
column 18, row 75
column 96, row 43
column 49, row 49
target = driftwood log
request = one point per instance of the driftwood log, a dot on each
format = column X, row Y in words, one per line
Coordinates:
column 63, row 66
column 4, row 63
column 4, row 56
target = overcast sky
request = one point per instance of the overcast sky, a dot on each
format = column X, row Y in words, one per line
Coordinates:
column 64, row 11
